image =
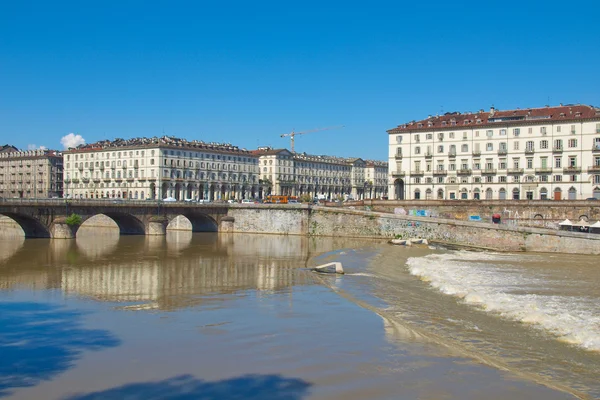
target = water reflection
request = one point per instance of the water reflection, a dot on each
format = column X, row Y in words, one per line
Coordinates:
column 252, row 387
column 166, row 272
column 39, row 341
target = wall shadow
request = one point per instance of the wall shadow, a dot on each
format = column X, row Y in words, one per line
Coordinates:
column 39, row 341
column 187, row 387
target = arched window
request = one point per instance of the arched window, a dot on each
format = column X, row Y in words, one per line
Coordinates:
column 502, row 194
column 489, row 194
column 572, row 193
column 516, row 194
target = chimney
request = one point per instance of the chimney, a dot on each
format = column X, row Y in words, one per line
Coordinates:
column 492, row 111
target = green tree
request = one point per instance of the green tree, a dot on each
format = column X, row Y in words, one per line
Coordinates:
column 73, row 220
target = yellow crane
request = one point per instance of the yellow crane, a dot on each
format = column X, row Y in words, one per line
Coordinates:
column 292, row 134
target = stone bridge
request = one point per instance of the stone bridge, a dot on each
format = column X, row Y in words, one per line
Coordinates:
column 46, row 218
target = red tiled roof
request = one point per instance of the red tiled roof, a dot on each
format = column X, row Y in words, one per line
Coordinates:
column 448, row 120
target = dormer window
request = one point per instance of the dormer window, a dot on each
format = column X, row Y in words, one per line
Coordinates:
column 430, row 124
column 420, row 125
column 478, row 121
column 466, row 122
column 443, row 123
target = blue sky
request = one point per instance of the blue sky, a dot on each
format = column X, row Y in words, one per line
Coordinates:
column 246, row 72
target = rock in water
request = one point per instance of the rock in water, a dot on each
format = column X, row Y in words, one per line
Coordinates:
column 330, row 268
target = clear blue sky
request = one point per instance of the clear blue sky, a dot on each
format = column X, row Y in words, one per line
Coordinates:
column 245, row 72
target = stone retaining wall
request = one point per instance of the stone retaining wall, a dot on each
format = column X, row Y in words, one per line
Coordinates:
column 321, row 221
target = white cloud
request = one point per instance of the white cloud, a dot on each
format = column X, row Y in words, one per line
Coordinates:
column 36, row 147
column 72, row 140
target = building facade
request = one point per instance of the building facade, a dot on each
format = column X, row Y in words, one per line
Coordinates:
column 298, row 174
column 158, row 168
column 30, row 174
column 538, row 153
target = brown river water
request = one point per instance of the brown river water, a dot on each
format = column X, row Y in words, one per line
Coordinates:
column 218, row 316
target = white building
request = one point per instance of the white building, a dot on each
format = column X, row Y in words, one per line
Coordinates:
column 151, row 168
column 538, row 153
column 330, row 177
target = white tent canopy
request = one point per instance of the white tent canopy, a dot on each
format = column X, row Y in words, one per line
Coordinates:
column 565, row 222
column 582, row 222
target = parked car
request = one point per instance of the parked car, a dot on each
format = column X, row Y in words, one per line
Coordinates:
column 248, row 201
column 203, row 201
column 169, row 199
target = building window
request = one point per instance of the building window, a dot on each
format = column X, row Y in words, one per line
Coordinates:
column 440, row 149
column 557, row 162
column 543, row 130
column 529, row 163
column 558, row 128
column 502, row 132
column 429, row 136
column 543, row 144
column 489, row 146
column 557, row 178
column 516, row 145
column 572, row 161
column 489, row 133
column 558, row 144
column 516, row 132
column 399, row 139
column 529, row 145
column 572, row 143
column 464, row 148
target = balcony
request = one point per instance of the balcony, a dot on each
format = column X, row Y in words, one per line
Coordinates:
column 97, row 180
column 440, row 172
column 91, row 167
column 557, row 149
column 417, row 173
column 476, row 153
column 594, row 170
column 80, row 167
column 543, row 170
column 118, row 179
column 502, row 152
column 398, row 174
column 75, row 180
column 488, row 171
column 398, row 156
column 529, row 151
column 101, row 167
column 452, row 154
column 464, row 172
column 596, row 148
column 428, row 154
column 130, row 179
column 515, row 171
column 572, row 170
column 85, row 180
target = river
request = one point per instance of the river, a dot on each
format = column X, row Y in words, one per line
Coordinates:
column 218, row 316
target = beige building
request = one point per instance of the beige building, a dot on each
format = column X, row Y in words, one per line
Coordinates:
column 30, row 174
column 532, row 153
column 326, row 177
column 159, row 168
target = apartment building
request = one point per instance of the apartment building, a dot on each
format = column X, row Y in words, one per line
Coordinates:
column 534, row 153
column 157, row 168
column 30, row 174
column 298, row 174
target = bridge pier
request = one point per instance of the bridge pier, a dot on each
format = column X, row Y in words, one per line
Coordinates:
column 226, row 224
column 157, row 226
column 61, row 230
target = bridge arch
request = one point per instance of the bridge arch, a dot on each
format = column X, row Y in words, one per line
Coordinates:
column 196, row 221
column 32, row 227
column 127, row 223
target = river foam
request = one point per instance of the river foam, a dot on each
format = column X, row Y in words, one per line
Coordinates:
column 493, row 283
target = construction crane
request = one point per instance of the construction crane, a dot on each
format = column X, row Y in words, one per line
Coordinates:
column 292, row 134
